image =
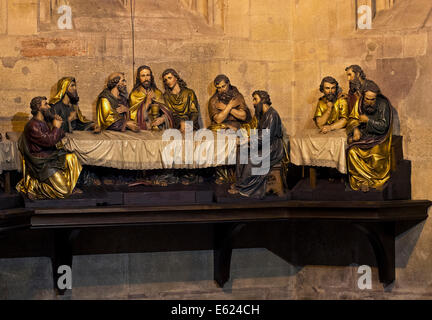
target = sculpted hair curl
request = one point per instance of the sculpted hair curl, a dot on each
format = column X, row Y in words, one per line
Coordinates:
column 264, row 96
column 330, row 80
column 180, row 81
column 35, row 104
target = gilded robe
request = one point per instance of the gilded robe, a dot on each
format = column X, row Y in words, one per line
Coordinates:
column 80, row 123
column 184, row 107
column 106, row 112
column 136, row 102
column 368, row 160
column 339, row 110
column 48, row 172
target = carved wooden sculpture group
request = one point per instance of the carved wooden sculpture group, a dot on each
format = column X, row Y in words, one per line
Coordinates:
column 50, row 172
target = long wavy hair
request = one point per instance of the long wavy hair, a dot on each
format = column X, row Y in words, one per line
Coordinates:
column 138, row 81
column 180, row 81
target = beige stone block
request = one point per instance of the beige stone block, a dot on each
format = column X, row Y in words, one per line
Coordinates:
column 415, row 44
column 162, row 28
column 280, row 80
column 9, row 47
column 238, row 7
column 3, row 16
column 392, row 46
column 270, row 7
column 247, row 76
column 261, row 51
column 17, row 101
column 22, row 17
column 351, row 48
column 270, row 27
column 156, row 49
column 114, row 47
column 305, row 93
column 311, row 20
column 237, row 20
column 208, row 50
column 237, row 26
column 311, row 50
column 45, row 11
column 345, row 16
column 29, row 74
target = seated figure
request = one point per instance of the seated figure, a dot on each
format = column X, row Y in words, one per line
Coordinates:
column 369, row 136
column 331, row 112
column 181, row 100
column 48, row 172
column 65, row 104
column 227, row 107
column 227, row 110
column 111, row 110
column 253, row 185
column 356, row 78
column 143, row 99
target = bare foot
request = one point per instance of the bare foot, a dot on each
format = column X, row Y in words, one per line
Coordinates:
column 97, row 182
column 108, row 182
column 220, row 181
column 77, row 191
column 186, row 182
column 233, row 190
column 364, row 187
column 31, row 197
column 97, row 129
column 161, row 183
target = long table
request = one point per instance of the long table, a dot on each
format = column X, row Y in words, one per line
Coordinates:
column 149, row 150
column 312, row 148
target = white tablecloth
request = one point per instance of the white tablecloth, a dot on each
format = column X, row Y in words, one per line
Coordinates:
column 312, row 148
column 147, row 150
column 10, row 157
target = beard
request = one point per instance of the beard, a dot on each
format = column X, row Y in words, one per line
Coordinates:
column 123, row 93
column 369, row 109
column 146, row 84
column 258, row 110
column 73, row 97
column 48, row 114
column 331, row 97
column 226, row 97
column 354, row 86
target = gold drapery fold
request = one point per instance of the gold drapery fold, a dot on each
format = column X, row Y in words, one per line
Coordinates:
column 59, row 186
column 62, row 86
column 371, row 166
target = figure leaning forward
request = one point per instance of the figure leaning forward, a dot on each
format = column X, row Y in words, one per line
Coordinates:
column 49, row 172
column 111, row 109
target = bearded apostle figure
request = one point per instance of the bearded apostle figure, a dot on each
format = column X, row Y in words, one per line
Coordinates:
column 356, row 78
column 248, row 183
column 49, row 172
column 369, row 136
column 227, row 110
column 227, row 107
column 143, row 96
column 111, row 110
column 65, row 104
column 331, row 112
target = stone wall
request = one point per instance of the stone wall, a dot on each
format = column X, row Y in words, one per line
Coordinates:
column 283, row 46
